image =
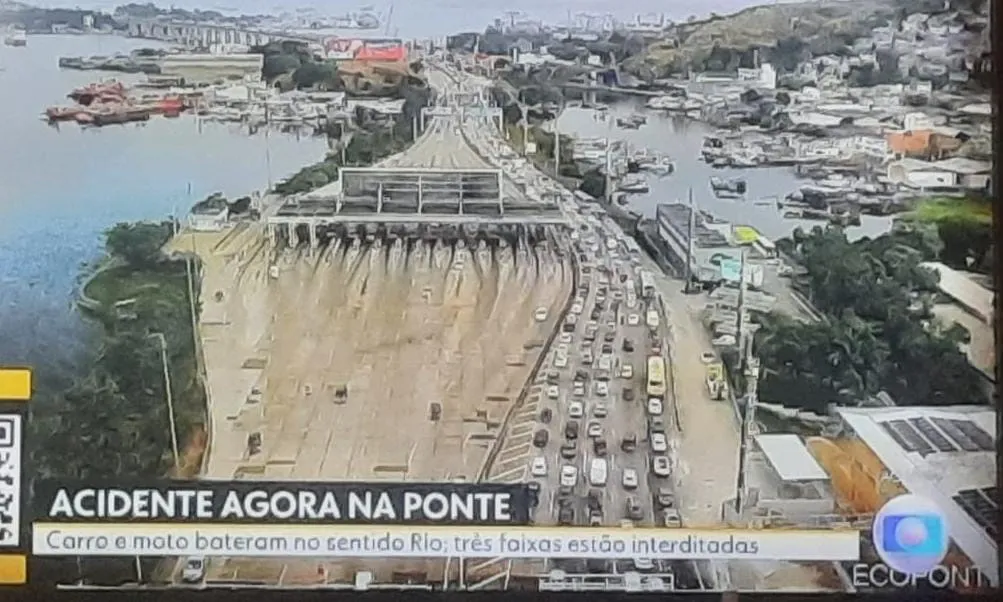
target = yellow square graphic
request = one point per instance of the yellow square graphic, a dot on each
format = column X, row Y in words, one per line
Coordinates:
column 15, row 384
column 13, row 569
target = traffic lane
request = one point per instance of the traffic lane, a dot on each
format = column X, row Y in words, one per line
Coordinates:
column 550, row 486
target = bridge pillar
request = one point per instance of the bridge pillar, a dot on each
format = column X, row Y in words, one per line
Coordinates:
column 313, row 238
column 294, row 237
column 272, row 235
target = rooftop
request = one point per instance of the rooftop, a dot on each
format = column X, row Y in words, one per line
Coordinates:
column 947, row 455
column 965, row 291
column 790, row 458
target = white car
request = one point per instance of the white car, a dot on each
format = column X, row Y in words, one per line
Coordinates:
column 602, row 389
column 569, row 475
column 540, row 315
column 655, row 406
column 631, row 301
column 576, row 308
column 659, row 443
column 576, row 409
column 633, row 320
column 194, row 569
column 660, row 466
column 560, row 361
column 627, row 371
column 539, row 468
column 599, row 410
column 553, row 392
column 629, row 478
column 579, row 390
column 566, row 338
column 594, row 430
column 562, row 348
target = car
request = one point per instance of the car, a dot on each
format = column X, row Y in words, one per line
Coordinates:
column 628, row 394
column 569, row 450
column 600, row 447
column 553, row 392
column 665, row 498
column 655, row 406
column 540, row 315
column 629, row 442
column 607, row 349
column 609, row 336
column 578, row 389
column 566, row 338
column 659, row 443
column 656, row 424
column 644, row 565
column 629, row 478
column 577, row 308
column 563, row 348
column 587, row 356
column 569, row 475
column 546, row 415
column 599, row 410
column 541, row 438
column 660, row 466
column 602, row 389
column 576, row 409
column 627, row 371
column 708, row 357
column 594, row 429
column 628, row 345
column 595, row 518
column 560, row 361
column 194, row 569
column 633, row 509
column 533, row 487
column 633, row 319
column 539, row 467
column 571, row 430
column 671, row 518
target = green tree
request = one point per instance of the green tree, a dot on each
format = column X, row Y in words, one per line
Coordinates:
column 279, row 64
column 138, row 244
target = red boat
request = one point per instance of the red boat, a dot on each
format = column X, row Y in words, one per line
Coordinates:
column 101, row 92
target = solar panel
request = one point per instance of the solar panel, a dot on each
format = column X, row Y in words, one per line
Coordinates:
column 932, row 435
column 897, row 437
column 956, row 434
column 981, row 508
column 974, row 432
column 916, row 442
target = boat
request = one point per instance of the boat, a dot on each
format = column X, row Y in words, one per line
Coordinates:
column 62, row 113
column 102, row 92
column 662, row 166
column 16, row 37
column 735, row 185
column 631, row 122
column 633, row 185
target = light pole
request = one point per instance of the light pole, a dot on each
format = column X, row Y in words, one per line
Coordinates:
column 170, row 399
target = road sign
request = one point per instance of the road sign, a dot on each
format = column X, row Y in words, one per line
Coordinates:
column 10, row 480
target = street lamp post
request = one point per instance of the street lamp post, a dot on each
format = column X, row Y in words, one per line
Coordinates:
column 170, row 398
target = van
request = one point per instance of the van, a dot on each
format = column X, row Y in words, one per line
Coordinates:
column 598, row 472
column 652, row 319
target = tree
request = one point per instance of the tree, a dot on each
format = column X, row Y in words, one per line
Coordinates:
column 878, row 332
column 309, row 75
column 138, row 244
column 279, row 64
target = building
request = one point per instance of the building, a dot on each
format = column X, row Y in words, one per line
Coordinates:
column 209, row 219
column 955, row 173
column 787, row 484
column 972, row 308
column 945, row 454
column 211, row 68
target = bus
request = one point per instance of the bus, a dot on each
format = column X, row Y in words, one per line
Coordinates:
column 656, row 376
column 647, row 284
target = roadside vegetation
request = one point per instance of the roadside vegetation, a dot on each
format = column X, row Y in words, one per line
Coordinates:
column 877, row 334
column 964, row 225
column 373, row 141
column 112, row 423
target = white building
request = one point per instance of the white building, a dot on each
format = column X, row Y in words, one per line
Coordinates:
column 209, row 221
column 957, row 172
column 947, row 455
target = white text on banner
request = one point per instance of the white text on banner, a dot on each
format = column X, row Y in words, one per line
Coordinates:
column 348, row 541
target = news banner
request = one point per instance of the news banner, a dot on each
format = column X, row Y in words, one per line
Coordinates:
column 263, row 519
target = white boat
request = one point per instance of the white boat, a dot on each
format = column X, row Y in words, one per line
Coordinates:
column 16, row 37
column 663, row 166
column 633, row 185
